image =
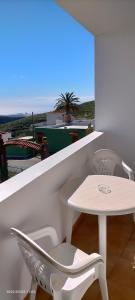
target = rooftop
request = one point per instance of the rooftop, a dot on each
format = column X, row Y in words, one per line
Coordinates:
column 3, row 132
column 74, row 127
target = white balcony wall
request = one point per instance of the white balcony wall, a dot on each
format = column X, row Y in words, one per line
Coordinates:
column 115, row 91
column 31, row 200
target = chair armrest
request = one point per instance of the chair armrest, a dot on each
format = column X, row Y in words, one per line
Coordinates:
column 85, row 263
column 83, row 266
column 128, row 170
column 79, row 267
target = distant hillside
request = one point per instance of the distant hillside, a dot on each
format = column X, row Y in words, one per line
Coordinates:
column 23, row 123
column 6, row 119
column 87, row 110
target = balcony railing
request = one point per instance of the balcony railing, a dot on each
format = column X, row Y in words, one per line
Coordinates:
column 31, row 200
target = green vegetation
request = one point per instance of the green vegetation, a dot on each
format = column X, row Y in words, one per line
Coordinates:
column 86, row 109
column 24, row 123
column 6, row 119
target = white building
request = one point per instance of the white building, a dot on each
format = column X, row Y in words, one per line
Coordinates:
column 31, row 200
column 5, row 135
column 54, row 118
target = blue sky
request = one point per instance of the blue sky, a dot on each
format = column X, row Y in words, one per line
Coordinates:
column 43, row 52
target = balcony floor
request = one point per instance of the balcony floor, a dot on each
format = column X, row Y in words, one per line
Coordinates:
column 121, row 255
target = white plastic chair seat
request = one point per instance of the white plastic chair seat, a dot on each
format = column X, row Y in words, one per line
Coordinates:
column 69, row 255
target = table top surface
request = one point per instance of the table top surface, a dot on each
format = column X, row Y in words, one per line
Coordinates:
column 104, row 195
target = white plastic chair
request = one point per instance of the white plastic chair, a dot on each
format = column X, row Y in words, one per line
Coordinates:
column 65, row 272
column 105, row 161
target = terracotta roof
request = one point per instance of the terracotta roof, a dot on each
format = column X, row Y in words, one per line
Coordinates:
column 23, row 143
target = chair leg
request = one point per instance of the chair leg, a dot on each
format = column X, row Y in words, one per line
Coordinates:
column 33, row 289
column 103, row 283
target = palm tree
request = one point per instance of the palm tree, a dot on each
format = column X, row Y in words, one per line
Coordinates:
column 67, row 102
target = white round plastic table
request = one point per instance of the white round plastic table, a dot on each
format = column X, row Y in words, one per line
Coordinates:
column 103, row 195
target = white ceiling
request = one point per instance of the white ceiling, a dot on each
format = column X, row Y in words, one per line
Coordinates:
column 102, row 16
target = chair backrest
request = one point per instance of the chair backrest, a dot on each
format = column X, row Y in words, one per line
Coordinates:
column 105, row 161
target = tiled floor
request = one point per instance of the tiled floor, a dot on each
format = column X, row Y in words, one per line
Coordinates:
column 121, row 256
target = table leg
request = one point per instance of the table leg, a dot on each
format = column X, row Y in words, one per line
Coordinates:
column 102, row 237
column 69, row 223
